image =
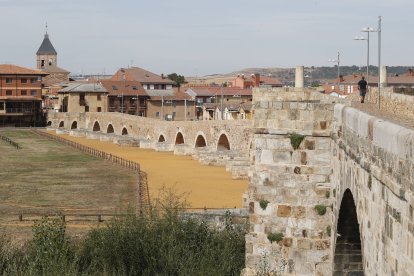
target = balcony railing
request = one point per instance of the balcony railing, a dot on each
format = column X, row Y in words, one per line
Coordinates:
column 20, row 110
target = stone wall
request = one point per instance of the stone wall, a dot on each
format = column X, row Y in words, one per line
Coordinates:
column 396, row 100
column 373, row 159
column 291, row 182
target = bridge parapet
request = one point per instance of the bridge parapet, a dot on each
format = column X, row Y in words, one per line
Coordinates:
column 374, row 161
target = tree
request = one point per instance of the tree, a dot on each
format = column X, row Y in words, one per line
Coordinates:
column 179, row 79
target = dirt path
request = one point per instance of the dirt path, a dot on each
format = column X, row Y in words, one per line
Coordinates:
column 208, row 186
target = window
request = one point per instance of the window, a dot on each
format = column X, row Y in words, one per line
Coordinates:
column 9, row 93
column 157, row 114
column 98, row 97
column 9, row 81
column 23, row 92
column 156, row 86
column 174, row 104
column 86, row 108
column 42, row 63
column 111, row 101
column 23, row 80
column 134, row 87
column 32, row 80
column 1, row 105
column 99, row 109
column 114, row 87
column 33, row 93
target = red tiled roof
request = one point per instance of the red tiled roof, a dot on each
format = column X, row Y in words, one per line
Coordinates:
column 126, row 88
column 141, row 75
column 178, row 94
column 10, row 69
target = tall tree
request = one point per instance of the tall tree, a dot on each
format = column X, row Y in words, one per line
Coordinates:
column 179, row 79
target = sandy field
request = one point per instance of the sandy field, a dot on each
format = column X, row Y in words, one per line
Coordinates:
column 207, row 186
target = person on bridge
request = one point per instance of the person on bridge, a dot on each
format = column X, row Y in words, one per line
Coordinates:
column 362, row 87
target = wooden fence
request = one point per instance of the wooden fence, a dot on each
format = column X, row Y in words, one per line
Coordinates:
column 10, row 141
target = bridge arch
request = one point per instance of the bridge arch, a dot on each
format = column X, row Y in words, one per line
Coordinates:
column 61, row 124
column 200, row 141
column 49, row 123
column 96, row 126
column 179, row 138
column 124, row 131
column 110, row 129
column 348, row 247
column 223, row 142
column 161, row 138
column 74, row 125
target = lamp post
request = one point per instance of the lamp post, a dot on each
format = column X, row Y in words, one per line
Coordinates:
column 366, row 30
column 379, row 61
column 337, row 61
column 122, row 102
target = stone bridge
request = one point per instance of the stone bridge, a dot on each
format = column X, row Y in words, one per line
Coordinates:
column 223, row 143
column 338, row 202
column 331, row 187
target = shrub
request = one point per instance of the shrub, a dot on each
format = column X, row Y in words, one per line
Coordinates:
column 328, row 231
column 296, row 140
column 277, row 237
column 263, row 203
column 320, row 209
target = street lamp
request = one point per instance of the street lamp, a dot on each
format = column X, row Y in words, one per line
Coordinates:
column 337, row 61
column 366, row 30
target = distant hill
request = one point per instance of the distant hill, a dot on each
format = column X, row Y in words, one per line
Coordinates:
column 287, row 75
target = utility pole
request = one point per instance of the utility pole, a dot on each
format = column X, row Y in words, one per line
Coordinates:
column 379, row 62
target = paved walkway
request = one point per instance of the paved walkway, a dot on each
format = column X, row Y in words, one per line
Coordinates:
column 372, row 109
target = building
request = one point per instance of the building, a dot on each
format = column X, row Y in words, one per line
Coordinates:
column 20, row 96
column 46, row 61
column 148, row 80
column 229, row 111
column 254, row 80
column 171, row 105
column 218, row 95
column 83, row 97
column 126, row 97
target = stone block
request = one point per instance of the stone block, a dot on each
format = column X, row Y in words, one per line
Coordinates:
column 284, row 211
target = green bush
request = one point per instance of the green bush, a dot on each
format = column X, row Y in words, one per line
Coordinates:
column 320, row 209
column 263, row 203
column 160, row 242
column 296, row 140
column 275, row 237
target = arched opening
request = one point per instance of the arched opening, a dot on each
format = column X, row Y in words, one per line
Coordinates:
column 200, row 142
column 62, row 124
column 161, row 139
column 74, row 125
column 49, row 123
column 110, row 129
column 179, row 139
column 96, row 126
column 348, row 254
column 223, row 143
column 124, row 131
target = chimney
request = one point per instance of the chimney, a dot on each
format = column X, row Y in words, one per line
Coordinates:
column 299, row 77
column 162, row 76
column 410, row 72
column 341, row 78
column 256, row 80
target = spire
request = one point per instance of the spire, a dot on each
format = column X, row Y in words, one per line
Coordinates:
column 46, row 48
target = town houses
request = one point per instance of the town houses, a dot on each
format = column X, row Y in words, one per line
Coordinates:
column 26, row 95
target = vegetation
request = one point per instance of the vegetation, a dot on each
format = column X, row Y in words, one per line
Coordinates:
column 328, row 231
column 159, row 242
column 369, row 182
column 275, row 237
column 296, row 140
column 263, row 203
column 179, row 79
column 320, row 209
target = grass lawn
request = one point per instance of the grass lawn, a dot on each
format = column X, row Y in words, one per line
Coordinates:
column 48, row 177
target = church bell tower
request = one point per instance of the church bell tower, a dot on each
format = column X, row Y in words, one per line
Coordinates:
column 46, row 56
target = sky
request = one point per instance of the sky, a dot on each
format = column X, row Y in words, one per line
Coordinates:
column 196, row 38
